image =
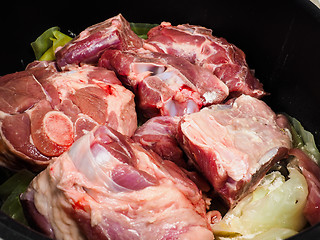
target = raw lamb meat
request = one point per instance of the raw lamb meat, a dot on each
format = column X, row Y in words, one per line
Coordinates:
column 234, row 145
column 88, row 46
column 159, row 134
column 43, row 111
column 198, row 46
column 165, row 84
column 106, row 187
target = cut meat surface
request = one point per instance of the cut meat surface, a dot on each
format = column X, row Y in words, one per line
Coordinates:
column 159, row 134
column 20, row 89
column 106, row 187
column 51, row 109
column 234, row 145
column 197, row 45
column 165, row 84
column 90, row 101
column 16, row 145
column 87, row 47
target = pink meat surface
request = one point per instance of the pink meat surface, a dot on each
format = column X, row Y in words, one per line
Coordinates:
column 234, row 145
column 87, row 47
column 106, row 187
column 159, row 134
column 44, row 111
column 165, row 84
column 197, row 45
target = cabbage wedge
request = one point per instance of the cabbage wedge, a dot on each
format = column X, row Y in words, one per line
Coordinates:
column 273, row 211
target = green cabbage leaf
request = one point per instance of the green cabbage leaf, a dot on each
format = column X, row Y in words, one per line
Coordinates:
column 141, row 29
column 10, row 191
column 46, row 44
column 304, row 140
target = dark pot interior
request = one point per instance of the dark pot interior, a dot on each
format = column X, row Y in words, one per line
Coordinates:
column 281, row 40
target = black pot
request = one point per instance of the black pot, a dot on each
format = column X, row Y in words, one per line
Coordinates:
column 280, row 38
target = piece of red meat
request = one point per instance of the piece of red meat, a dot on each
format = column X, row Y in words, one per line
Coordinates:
column 197, row 45
column 234, row 145
column 159, row 135
column 311, row 171
column 165, row 84
column 87, row 47
column 106, row 187
column 44, row 111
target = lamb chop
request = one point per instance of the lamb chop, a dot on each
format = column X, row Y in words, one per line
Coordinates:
column 45, row 111
column 106, row 187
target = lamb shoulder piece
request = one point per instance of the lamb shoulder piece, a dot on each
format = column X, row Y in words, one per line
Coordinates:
column 106, row 187
column 87, row 47
column 234, row 145
column 44, row 111
column 199, row 46
column 165, row 84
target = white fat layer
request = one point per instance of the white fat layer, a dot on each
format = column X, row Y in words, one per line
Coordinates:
column 210, row 97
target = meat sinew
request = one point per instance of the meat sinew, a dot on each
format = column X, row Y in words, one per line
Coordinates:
column 163, row 83
column 234, row 145
column 106, row 187
column 43, row 111
column 88, row 46
column 198, row 46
